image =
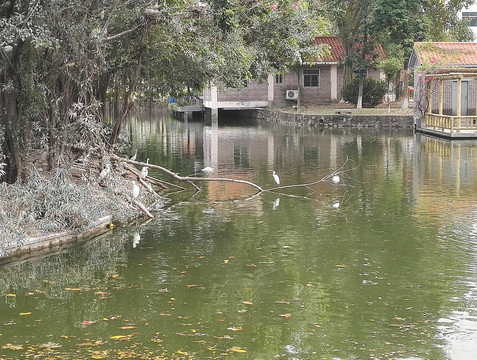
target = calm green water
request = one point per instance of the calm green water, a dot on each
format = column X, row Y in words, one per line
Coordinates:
column 222, row 274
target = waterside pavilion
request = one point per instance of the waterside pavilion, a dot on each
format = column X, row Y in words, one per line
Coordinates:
column 445, row 96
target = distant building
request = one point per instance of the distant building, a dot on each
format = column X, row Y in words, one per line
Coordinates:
column 445, row 94
column 471, row 14
column 320, row 83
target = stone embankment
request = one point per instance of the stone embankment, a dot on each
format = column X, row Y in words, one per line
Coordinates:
column 335, row 120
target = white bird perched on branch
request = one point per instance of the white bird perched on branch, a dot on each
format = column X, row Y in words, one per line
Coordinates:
column 144, row 170
column 135, row 190
column 133, row 158
column 275, row 177
column 208, row 170
column 335, row 179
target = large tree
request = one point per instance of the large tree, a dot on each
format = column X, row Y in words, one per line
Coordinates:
column 62, row 60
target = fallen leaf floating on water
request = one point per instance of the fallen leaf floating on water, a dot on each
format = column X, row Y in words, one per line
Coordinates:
column 51, row 345
column 115, row 276
column 233, row 328
column 225, row 337
column 25, row 313
column 87, row 322
column 341, row 266
column 11, row 295
column 12, row 347
column 127, row 327
column 247, row 302
column 123, row 337
column 286, row 315
column 236, row 349
column 117, row 337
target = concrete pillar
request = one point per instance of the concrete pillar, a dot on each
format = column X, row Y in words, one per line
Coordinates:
column 271, row 89
column 334, row 82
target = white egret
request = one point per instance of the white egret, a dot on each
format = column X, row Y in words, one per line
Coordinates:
column 133, row 158
column 136, row 239
column 135, row 190
column 105, row 172
column 144, row 170
column 336, row 179
column 208, row 170
column 275, row 177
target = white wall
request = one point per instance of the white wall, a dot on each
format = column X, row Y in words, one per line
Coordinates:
column 472, row 8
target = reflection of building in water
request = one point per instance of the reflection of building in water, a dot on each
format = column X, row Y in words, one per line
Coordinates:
column 450, row 162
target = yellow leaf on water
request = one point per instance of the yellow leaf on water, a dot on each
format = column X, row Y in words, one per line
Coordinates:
column 236, row 349
column 226, row 261
column 11, row 295
column 117, row 337
column 286, row 315
column 25, row 313
column 115, row 276
column 192, row 285
column 233, row 328
column 247, row 302
column 127, row 327
column 341, row 266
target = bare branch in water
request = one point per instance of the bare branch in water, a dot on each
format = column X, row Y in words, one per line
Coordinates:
column 336, row 177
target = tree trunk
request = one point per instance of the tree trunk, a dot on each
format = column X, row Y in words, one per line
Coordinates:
column 128, row 103
column 11, row 116
column 359, row 104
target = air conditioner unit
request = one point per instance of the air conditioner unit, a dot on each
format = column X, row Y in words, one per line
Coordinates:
column 292, row 95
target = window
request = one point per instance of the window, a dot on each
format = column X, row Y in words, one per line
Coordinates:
column 279, row 79
column 471, row 16
column 311, row 77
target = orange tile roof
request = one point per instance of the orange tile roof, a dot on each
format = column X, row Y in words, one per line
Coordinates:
column 446, row 53
column 337, row 50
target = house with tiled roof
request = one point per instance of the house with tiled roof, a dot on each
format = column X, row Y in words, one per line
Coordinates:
column 319, row 82
column 445, row 95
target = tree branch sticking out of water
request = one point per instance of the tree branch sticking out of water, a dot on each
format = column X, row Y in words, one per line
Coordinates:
column 340, row 172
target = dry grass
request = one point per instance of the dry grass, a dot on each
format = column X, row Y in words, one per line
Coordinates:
column 68, row 198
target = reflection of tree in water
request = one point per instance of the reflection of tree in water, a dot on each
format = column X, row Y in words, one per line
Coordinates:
column 80, row 267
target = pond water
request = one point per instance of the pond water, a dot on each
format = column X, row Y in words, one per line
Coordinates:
column 382, row 265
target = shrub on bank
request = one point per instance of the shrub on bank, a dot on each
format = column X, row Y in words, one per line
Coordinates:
column 373, row 92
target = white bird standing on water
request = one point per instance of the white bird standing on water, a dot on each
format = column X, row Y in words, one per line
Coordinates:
column 275, row 177
column 135, row 190
column 145, row 170
column 335, row 179
column 208, row 170
column 133, row 158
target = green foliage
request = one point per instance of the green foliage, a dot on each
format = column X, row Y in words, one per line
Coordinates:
column 373, row 91
column 393, row 63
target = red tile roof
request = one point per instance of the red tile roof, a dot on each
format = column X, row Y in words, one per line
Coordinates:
column 446, row 53
column 337, row 50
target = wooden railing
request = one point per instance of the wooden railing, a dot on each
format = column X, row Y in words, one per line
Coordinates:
column 448, row 123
